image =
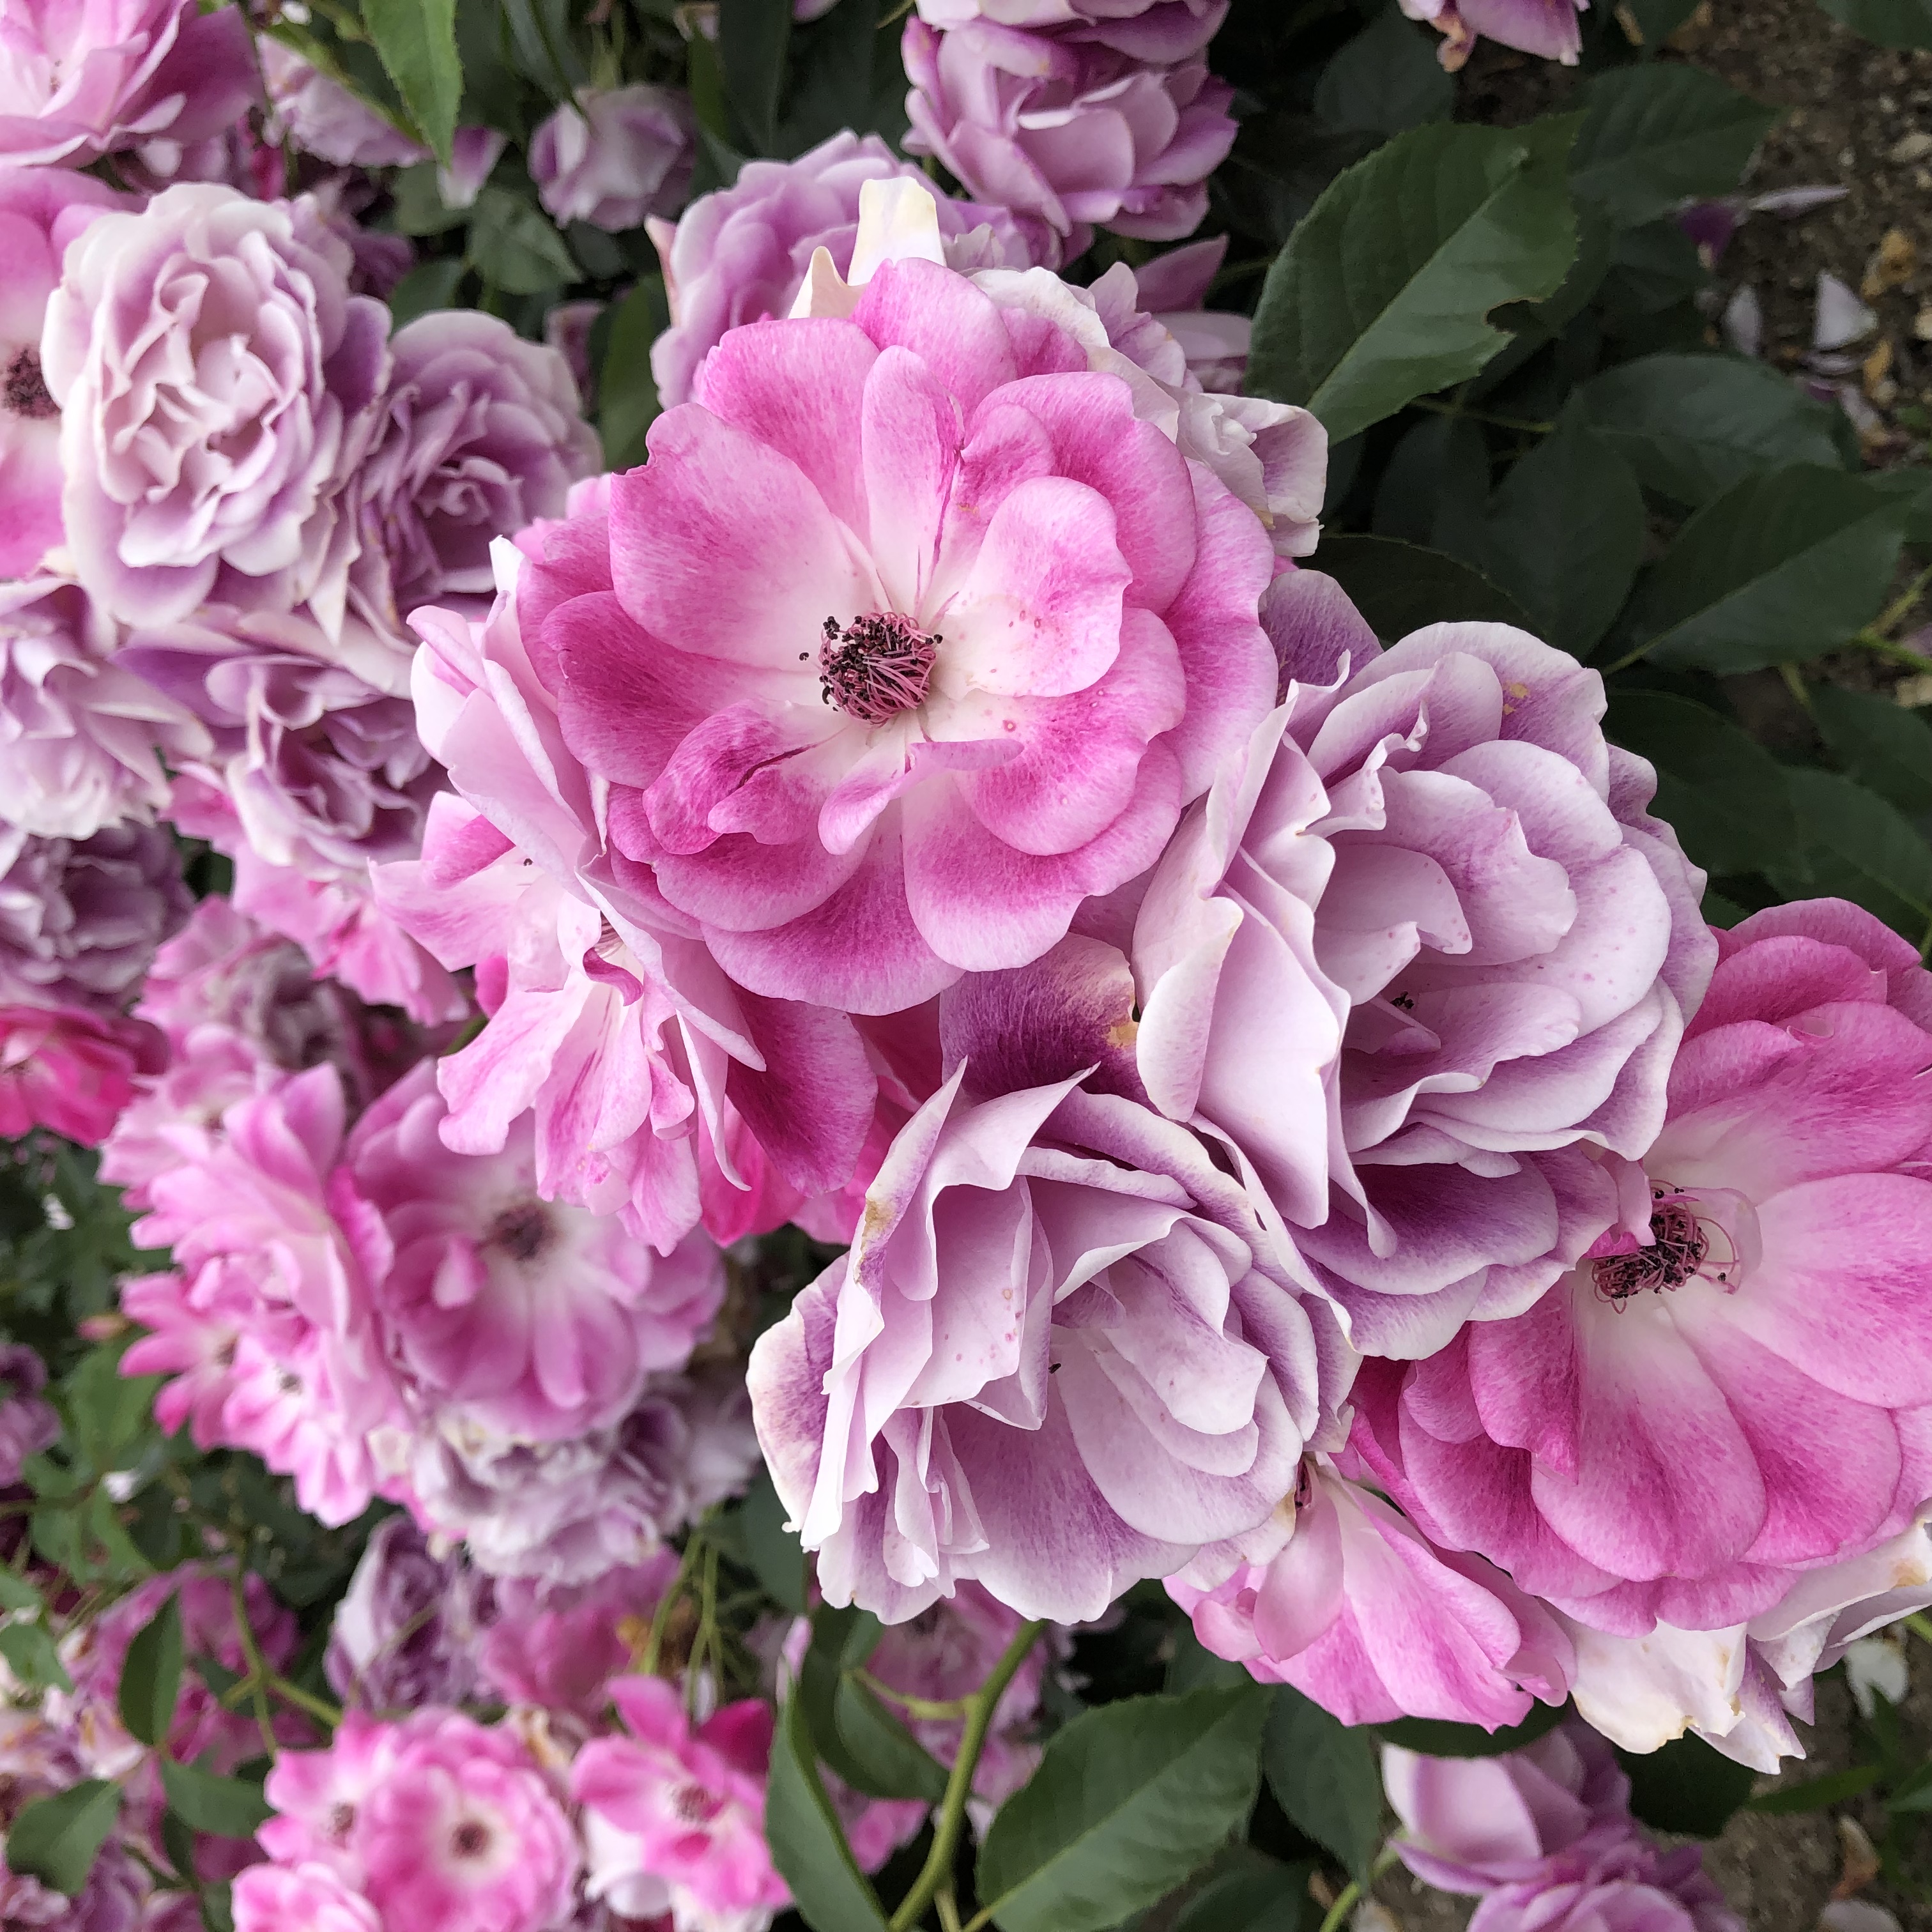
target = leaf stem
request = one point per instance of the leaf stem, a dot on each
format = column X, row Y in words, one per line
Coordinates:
column 1352, row 1893
column 1438, row 407
column 952, row 1819
column 1869, row 640
column 258, row 1673
column 660, row 1616
column 921, row 1708
column 320, row 1708
column 1920, row 1625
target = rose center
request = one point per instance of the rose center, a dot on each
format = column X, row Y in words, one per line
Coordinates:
column 27, row 393
column 876, row 666
column 522, row 1232
column 693, row 1805
column 1681, row 1250
column 469, row 1839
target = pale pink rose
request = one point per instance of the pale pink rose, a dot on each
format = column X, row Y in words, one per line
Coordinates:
column 673, row 1817
column 323, row 119
column 41, row 211
column 305, row 1898
column 946, row 732
column 1341, row 1596
column 1002, row 1379
column 1735, row 1390
column 739, row 254
column 1545, row 27
column 503, row 1309
column 1435, row 847
column 79, row 79
column 1065, row 125
column 440, row 1823
column 614, row 155
column 214, row 474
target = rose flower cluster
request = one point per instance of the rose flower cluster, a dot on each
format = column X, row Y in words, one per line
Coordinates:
column 1252, row 1109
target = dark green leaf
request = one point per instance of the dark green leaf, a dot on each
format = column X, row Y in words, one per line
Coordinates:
column 808, row 1845
column 1435, row 1739
column 30, row 1650
column 1721, row 910
column 1686, row 1786
column 1816, row 1794
column 1436, row 487
column 774, row 1550
column 1657, row 20
column 432, row 285
column 1724, row 793
column 752, row 37
column 1258, row 1895
column 217, row 1910
column 1892, row 23
column 1691, row 426
column 1327, row 1777
column 420, row 207
column 1400, row 587
column 230, row 1807
column 417, row 41
column 627, row 392
column 853, row 1730
column 1193, row 1664
column 1853, row 845
column 1128, row 1800
column 1386, row 78
column 1784, row 565
column 1879, row 743
column 55, row 1839
column 1656, row 134
column 150, row 1677
column 19, row 1593
column 1565, row 534
column 1381, row 295
column 514, row 246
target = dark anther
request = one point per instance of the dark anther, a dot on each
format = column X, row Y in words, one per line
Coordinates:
column 876, row 666
column 1678, row 1249
column 26, row 391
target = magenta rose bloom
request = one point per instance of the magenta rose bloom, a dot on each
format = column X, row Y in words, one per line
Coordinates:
column 69, row 1069
column 1434, row 846
column 323, row 119
column 41, row 211
column 674, row 1818
column 1070, row 127
column 501, row 1309
column 614, row 155
column 557, row 1645
column 870, row 669
column 1729, row 1389
column 1545, row 27
column 479, row 434
column 1341, row 1596
column 305, row 1898
column 216, row 382
column 440, row 1823
column 740, row 254
column 83, row 737
column 79, row 79
column 1005, row 1377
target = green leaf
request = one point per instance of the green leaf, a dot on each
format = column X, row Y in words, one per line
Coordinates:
column 1128, row 1800
column 417, row 41
column 1891, row 23
column 1657, row 20
column 1816, row 1794
column 808, row 1845
column 230, row 1807
column 1381, row 295
column 514, row 246
column 1193, row 1664
column 1435, row 1738
column 55, row 1839
column 430, row 286
column 627, row 392
column 1881, row 744
column 1258, row 1895
column 420, row 207
column 1656, row 134
column 1783, row 565
column 753, row 36
column 1686, row 1786
column 29, row 1649
column 150, row 1677
column 1326, row 1776
column 1692, row 426
column 1723, row 792
column 1565, row 535
column 776, row 1557
column 217, row 1909
column 1400, row 587
column 19, row 1593
column 1853, row 845
column 853, row 1730
column 1386, row 78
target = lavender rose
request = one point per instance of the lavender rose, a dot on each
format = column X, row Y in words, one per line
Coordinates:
column 614, row 156
column 480, row 436
column 323, row 119
column 27, row 1423
column 217, row 382
column 79, row 79
column 409, row 1631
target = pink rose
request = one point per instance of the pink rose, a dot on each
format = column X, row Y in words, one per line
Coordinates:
column 1545, row 27
column 614, row 155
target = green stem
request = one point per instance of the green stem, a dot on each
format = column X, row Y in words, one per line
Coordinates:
column 1920, row 1626
column 921, row 1708
column 1869, row 640
column 951, row 1818
column 258, row 1673
column 1352, row 1893
column 667, row 1603
column 1525, row 424
column 1794, row 682
column 949, row 1911
column 320, row 1708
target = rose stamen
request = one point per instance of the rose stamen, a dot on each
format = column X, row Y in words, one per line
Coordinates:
column 876, row 666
